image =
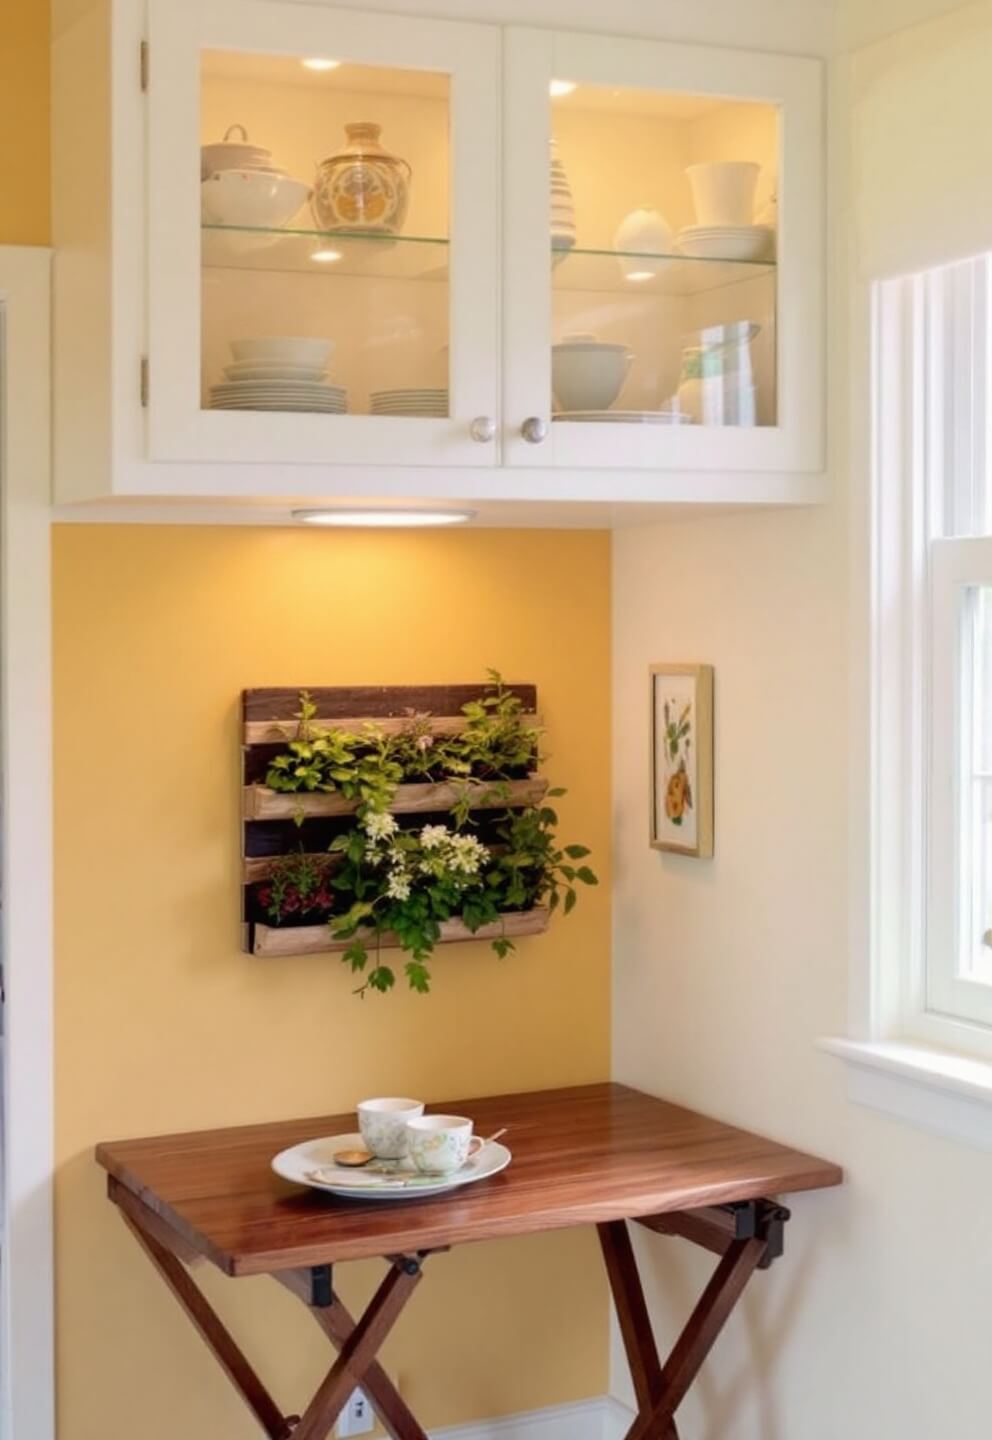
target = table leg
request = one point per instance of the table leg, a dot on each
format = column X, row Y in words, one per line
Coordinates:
column 660, row 1389
column 337, row 1324
column 359, row 1351
column 209, row 1324
column 358, row 1343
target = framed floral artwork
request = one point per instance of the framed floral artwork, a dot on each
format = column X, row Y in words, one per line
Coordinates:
column 682, row 759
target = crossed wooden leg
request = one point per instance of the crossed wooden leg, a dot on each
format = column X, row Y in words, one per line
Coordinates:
column 743, row 1242
column 357, row 1343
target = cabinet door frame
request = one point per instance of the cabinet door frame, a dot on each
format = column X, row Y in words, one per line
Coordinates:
column 532, row 58
column 177, row 428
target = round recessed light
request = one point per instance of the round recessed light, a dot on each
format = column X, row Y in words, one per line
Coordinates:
column 637, row 276
column 324, row 256
column 557, row 88
column 317, row 62
column 360, row 519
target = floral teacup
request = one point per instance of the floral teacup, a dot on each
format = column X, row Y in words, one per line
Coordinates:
column 441, row 1144
column 383, row 1125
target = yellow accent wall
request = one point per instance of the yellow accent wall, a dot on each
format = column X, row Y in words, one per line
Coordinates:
column 163, row 1024
column 24, row 129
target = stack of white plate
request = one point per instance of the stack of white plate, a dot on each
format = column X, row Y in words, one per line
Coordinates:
column 627, row 417
column 562, row 206
column 410, row 402
column 726, row 242
column 281, row 373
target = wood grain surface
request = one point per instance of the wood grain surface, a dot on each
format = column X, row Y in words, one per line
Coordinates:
column 585, row 1155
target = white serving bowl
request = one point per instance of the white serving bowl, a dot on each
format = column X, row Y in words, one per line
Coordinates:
column 723, row 193
column 251, row 197
column 587, row 374
column 229, row 155
column 288, row 349
column 744, row 242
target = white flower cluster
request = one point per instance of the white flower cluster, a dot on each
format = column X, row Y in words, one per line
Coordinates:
column 379, row 825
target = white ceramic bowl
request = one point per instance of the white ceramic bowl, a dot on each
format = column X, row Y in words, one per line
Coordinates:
column 723, row 193
column 288, row 349
column 231, row 155
column 587, row 374
column 746, row 242
column 251, row 197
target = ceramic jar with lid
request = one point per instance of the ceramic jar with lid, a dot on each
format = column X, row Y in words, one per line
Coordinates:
column 362, row 186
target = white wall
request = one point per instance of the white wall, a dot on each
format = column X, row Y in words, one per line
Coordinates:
column 875, row 1325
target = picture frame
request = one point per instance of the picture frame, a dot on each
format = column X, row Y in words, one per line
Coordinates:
column 681, row 760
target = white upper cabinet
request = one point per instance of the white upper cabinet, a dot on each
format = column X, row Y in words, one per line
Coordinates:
column 308, row 253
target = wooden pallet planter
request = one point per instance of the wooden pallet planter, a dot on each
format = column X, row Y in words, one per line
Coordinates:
column 279, row 940
column 269, row 817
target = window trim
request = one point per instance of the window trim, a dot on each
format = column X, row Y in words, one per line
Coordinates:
column 901, row 1058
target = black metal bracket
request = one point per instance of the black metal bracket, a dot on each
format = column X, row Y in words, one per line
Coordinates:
column 760, row 1220
column 321, row 1286
column 409, row 1264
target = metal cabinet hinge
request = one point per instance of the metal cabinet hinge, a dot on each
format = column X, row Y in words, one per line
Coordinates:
column 143, row 65
column 144, row 382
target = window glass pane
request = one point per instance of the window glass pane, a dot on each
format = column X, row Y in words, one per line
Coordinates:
column 324, row 240
column 975, row 920
column 957, row 397
column 664, row 241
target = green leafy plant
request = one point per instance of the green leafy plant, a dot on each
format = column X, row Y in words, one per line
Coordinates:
column 359, row 767
column 408, row 883
column 495, row 746
column 298, row 887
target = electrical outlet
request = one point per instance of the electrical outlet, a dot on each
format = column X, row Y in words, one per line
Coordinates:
column 356, row 1418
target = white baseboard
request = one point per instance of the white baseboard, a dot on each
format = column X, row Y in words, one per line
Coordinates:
column 601, row 1418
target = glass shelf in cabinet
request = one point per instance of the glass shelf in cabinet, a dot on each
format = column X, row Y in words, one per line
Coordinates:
column 634, row 273
column 324, row 252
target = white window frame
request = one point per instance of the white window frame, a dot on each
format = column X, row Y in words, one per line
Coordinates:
column 919, row 1047
column 27, row 1401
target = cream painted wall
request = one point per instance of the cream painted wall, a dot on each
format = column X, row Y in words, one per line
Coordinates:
column 162, row 1024
column 726, row 972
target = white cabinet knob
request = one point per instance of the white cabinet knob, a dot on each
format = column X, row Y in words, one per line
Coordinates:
column 483, row 429
column 534, row 429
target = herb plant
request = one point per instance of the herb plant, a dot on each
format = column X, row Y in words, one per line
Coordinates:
column 298, row 886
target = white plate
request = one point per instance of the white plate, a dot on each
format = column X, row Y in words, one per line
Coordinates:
column 299, row 1163
column 248, row 370
column 626, row 417
column 435, row 394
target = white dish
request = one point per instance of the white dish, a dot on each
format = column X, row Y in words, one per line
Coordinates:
column 626, row 417
column 251, row 197
column 293, row 349
column 312, row 1164
column 249, row 370
column 587, row 374
column 743, row 242
column 315, row 407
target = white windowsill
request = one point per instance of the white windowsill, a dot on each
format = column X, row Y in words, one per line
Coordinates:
column 938, row 1090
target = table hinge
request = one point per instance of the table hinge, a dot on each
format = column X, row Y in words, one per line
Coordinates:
column 321, row 1286
column 760, row 1220
column 143, row 66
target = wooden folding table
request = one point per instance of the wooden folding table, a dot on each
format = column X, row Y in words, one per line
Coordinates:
column 592, row 1155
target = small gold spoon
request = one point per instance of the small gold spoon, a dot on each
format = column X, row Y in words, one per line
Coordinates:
column 352, row 1159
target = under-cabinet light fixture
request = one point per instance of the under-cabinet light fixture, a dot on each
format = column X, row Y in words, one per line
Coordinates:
column 324, row 256
column 637, row 277
column 380, row 518
column 318, row 62
column 558, row 88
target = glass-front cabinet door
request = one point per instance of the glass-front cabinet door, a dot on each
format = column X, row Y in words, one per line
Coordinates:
column 663, row 266
column 323, row 236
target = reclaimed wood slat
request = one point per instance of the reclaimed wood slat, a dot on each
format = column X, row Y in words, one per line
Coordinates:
column 272, row 940
column 372, row 702
column 278, row 732
column 261, row 803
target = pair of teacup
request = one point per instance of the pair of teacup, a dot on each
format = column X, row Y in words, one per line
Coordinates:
column 396, row 1128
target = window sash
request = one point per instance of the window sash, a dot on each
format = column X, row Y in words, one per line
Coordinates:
column 956, row 568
